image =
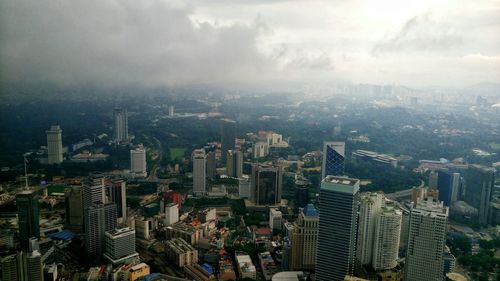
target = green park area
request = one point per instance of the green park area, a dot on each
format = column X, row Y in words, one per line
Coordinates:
column 176, row 153
column 495, row 146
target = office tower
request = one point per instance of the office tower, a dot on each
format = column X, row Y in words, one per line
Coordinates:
column 275, row 219
column 304, row 239
column 93, row 192
column 338, row 207
column 120, row 128
column 28, row 216
column 228, row 139
column 13, row 267
column 234, row 163
column 448, row 184
column 171, row 213
column 333, row 159
column 433, row 180
column 74, row 209
column 244, row 188
column 266, row 184
column 120, row 245
column 405, row 228
column 479, row 186
column 370, row 205
column 117, row 193
column 260, row 149
column 386, row 238
column 199, row 172
column 34, row 266
column 211, row 165
column 171, row 111
column 138, row 165
column 99, row 218
column 426, row 241
column 54, row 145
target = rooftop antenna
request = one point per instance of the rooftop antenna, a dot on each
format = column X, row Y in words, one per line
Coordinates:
column 25, row 169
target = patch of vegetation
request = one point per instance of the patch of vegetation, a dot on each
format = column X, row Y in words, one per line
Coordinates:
column 176, row 154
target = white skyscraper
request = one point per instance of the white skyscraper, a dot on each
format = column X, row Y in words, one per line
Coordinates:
column 386, row 238
column 138, row 166
column 171, row 214
column 370, row 206
column 54, row 145
column 120, row 125
column 426, row 241
column 199, row 171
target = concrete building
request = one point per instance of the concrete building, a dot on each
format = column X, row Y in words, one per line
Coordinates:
column 171, row 111
column 93, row 191
column 211, row 165
column 138, row 164
column 479, row 186
column 234, row 163
column 304, row 239
column 171, row 213
column 120, row 245
column 199, row 172
column 246, row 268
column 74, row 209
column 28, row 216
column 13, row 267
column 54, row 145
column 187, row 232
column 266, row 184
column 426, row 241
column 34, row 266
column 275, row 219
column 180, row 252
column 375, row 158
column 138, row 271
column 333, row 159
column 143, row 228
column 120, row 125
column 228, row 137
column 197, row 272
column 260, row 149
column 244, row 187
column 370, row 206
column 386, row 238
column 99, row 218
column 117, row 193
column 338, row 204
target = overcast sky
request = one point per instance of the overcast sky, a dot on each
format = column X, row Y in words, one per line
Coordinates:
column 160, row 42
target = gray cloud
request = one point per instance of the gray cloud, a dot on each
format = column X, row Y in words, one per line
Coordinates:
column 115, row 42
column 419, row 34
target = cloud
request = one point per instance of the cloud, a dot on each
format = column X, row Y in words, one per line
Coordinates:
column 421, row 33
column 116, row 42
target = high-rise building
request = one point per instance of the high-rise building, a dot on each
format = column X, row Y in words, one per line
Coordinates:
column 117, row 193
column 74, row 209
column 120, row 245
column 99, row 218
column 479, row 186
column 171, row 111
column 199, row 172
column 304, row 240
column 333, row 159
column 171, row 214
column 275, row 219
column 54, row 145
column 120, row 125
column 93, row 192
column 386, row 238
column 228, row 140
column 370, row 206
column 266, row 184
column 426, row 241
column 34, row 266
column 138, row 164
column 211, row 165
column 13, row 267
column 234, row 163
column 260, row 149
column 449, row 186
column 338, row 207
column 28, row 216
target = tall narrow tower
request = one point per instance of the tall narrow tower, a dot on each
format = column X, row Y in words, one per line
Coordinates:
column 120, row 125
column 370, row 206
column 199, row 172
column 54, row 145
column 28, row 216
column 229, row 128
column 338, row 207
column 266, row 184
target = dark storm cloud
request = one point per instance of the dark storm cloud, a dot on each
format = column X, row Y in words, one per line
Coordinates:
column 115, row 42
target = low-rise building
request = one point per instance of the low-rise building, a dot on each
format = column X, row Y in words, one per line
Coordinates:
column 199, row 273
column 185, row 231
column 181, row 252
column 246, row 268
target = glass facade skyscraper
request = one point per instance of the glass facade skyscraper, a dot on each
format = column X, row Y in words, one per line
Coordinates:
column 28, row 215
column 333, row 159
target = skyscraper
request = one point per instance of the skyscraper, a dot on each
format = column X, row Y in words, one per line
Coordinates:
column 386, row 238
column 117, row 193
column 370, row 206
column 54, row 145
column 93, row 192
column 28, row 216
column 120, row 125
column 138, row 164
column 304, row 240
column 12, row 267
column 338, row 207
column 228, row 138
column 266, row 184
column 333, row 159
column 74, row 209
column 34, row 266
column 211, row 165
column 99, row 218
column 234, row 163
column 120, row 245
column 448, row 184
column 426, row 241
column 480, row 181
column 199, row 172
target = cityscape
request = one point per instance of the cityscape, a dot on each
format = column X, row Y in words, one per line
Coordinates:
column 197, row 159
